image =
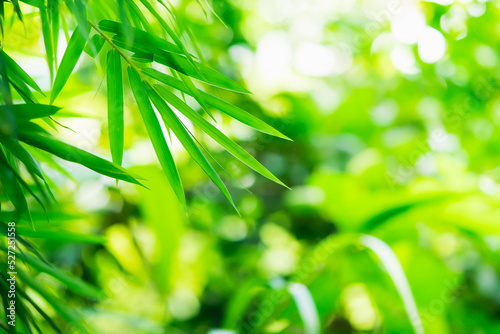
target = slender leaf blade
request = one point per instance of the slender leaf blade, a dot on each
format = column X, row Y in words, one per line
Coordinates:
column 156, row 135
column 227, row 108
column 76, row 155
column 17, row 70
column 70, row 58
column 216, row 134
column 94, row 46
column 47, row 40
column 178, row 128
column 25, row 112
column 115, row 106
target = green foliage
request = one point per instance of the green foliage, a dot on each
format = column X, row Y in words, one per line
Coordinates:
column 391, row 225
column 27, row 127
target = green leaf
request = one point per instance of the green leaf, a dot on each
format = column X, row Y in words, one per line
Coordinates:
column 53, row 6
column 66, row 313
column 76, row 155
column 17, row 9
column 115, row 106
column 216, row 134
column 167, row 28
column 25, row 112
column 13, row 190
column 62, row 236
column 193, row 91
column 156, row 134
column 136, row 11
column 70, row 58
column 4, row 81
column 79, row 10
column 143, row 39
column 181, row 64
column 94, row 46
column 13, row 171
column 22, row 154
column 177, row 127
column 125, row 22
column 143, row 57
column 47, row 40
column 214, row 12
column 22, row 89
column 227, row 108
column 17, row 70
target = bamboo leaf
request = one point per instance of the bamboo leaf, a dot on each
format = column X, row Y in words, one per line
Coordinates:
column 22, row 154
column 227, row 108
column 66, row 313
column 216, row 134
column 70, row 58
column 193, row 91
column 4, row 81
column 47, row 40
column 17, row 9
column 53, row 6
column 115, row 106
column 74, row 283
column 79, row 9
column 25, row 112
column 136, row 11
column 143, row 57
column 62, row 236
column 94, row 46
column 18, row 71
column 142, row 38
column 76, row 155
column 125, row 22
column 156, row 134
column 22, row 89
column 13, row 190
column 169, row 30
column 177, row 127
column 181, row 64
column 5, row 163
column 210, row 6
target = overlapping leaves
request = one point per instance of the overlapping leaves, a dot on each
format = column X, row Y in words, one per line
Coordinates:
column 130, row 41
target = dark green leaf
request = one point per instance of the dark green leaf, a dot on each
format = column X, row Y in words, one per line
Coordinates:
column 155, row 133
column 180, row 132
column 13, row 190
column 142, row 38
column 125, row 22
column 22, row 154
column 227, row 108
column 216, row 134
column 115, row 106
column 194, row 92
column 17, row 70
column 47, row 40
column 53, row 7
column 181, row 64
column 17, row 9
column 143, row 57
column 25, row 112
column 76, row 155
column 136, row 11
column 94, row 46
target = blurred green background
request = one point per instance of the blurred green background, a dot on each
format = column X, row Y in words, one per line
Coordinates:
column 394, row 109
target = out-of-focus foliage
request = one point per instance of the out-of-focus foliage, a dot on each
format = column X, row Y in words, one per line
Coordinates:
column 391, row 225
